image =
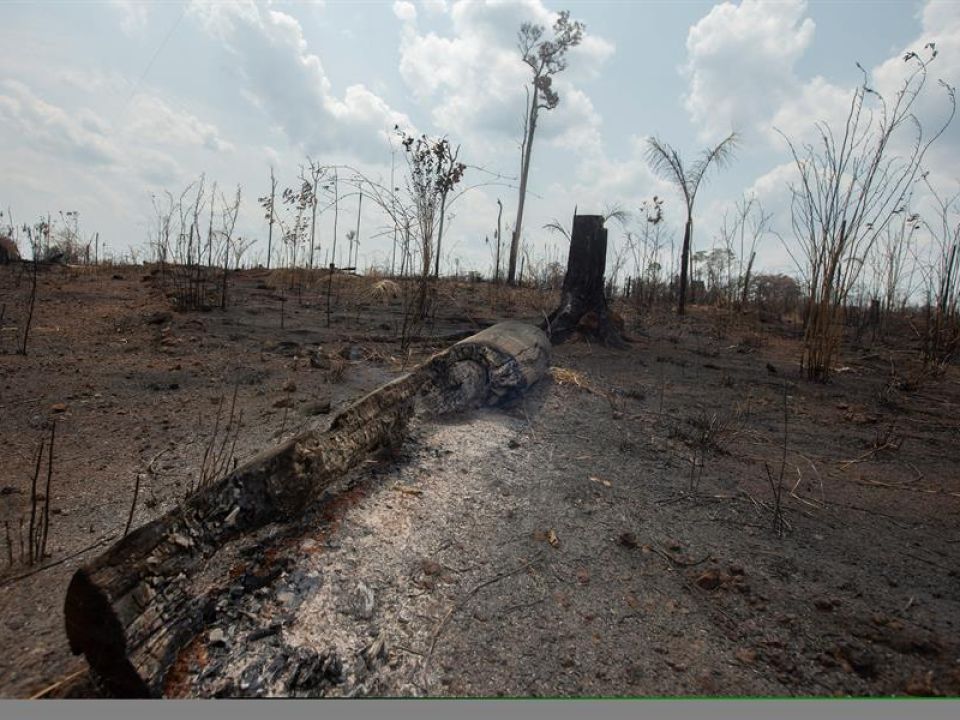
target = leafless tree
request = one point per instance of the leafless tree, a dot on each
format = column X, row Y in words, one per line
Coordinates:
column 890, row 261
column 850, row 185
column 740, row 232
column 268, row 203
column 312, row 177
column 545, row 58
column 666, row 162
column 228, row 223
column 941, row 272
column 645, row 245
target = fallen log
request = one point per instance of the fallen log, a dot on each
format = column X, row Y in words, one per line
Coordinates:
column 132, row 609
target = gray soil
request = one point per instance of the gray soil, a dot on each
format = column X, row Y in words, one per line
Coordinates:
column 611, row 533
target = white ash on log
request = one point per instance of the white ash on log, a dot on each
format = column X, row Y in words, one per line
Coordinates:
column 583, row 306
column 132, row 609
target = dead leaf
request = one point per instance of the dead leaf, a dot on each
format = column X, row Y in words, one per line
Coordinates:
column 632, row 601
column 921, row 685
column 710, row 580
column 552, row 537
column 605, row 483
column 747, row 656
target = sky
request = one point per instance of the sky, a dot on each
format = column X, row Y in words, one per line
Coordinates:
column 105, row 104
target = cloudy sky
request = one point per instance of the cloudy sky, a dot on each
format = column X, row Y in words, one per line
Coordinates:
column 104, row 103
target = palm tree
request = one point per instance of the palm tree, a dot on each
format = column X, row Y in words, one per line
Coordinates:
column 665, row 161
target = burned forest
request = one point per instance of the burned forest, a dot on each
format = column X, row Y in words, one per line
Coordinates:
column 328, row 403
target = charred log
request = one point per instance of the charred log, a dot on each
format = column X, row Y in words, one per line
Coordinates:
column 583, row 309
column 133, row 608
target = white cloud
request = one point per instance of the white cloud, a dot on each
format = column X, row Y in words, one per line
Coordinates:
column 288, row 82
column 817, row 101
column 405, row 11
column 473, row 79
column 940, row 24
column 78, row 136
column 741, row 63
column 153, row 120
column 134, row 15
column 436, row 7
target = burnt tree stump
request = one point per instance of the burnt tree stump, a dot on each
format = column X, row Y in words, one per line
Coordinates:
column 132, row 609
column 583, row 306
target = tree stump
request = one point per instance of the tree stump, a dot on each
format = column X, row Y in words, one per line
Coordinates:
column 132, row 609
column 583, row 306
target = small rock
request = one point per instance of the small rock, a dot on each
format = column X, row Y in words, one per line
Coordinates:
column 289, row 386
column 319, row 361
column 513, row 443
column 217, row 637
column 158, row 318
column 627, row 539
column 862, row 661
column 58, row 407
column 285, row 597
column 746, row 655
column 319, row 407
column 824, row 604
column 352, row 353
column 430, row 567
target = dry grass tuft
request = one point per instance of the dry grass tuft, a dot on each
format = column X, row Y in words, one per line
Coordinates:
column 566, row 376
column 338, row 367
column 384, row 290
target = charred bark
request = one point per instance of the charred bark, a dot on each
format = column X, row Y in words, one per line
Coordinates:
column 133, row 608
column 583, row 309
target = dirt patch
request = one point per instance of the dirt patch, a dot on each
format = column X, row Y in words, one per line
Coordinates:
column 611, row 534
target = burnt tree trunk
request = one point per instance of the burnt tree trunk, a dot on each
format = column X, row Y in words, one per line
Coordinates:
column 133, row 608
column 583, row 306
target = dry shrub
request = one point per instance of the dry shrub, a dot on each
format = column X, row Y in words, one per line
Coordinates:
column 384, row 291
column 337, row 369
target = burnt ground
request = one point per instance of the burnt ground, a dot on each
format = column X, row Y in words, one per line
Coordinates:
column 612, row 533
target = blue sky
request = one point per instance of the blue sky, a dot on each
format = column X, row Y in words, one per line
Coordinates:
column 104, row 103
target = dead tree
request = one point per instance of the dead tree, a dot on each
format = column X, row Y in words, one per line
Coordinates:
column 131, row 610
column 583, row 306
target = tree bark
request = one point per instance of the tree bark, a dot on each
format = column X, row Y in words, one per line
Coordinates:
column 524, row 174
column 684, row 264
column 133, row 608
column 583, row 306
